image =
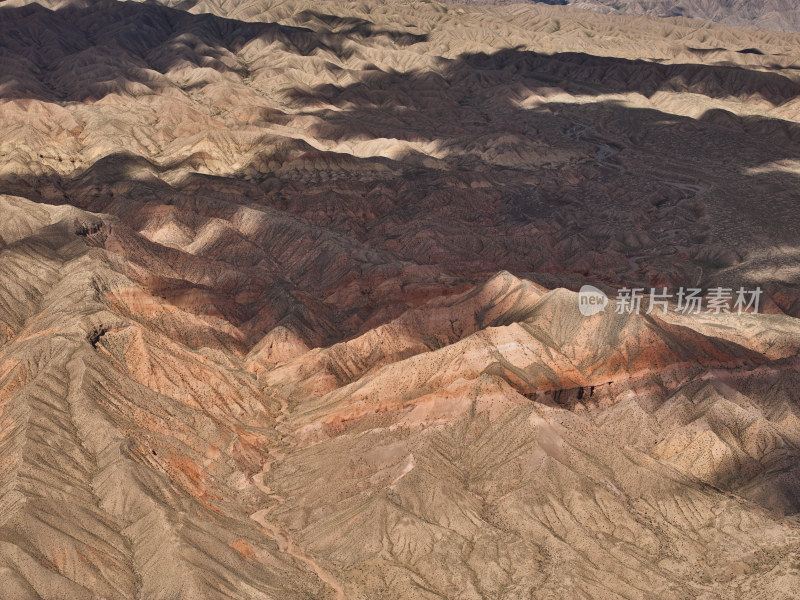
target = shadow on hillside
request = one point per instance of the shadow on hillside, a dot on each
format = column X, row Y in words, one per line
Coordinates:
column 82, row 54
column 586, row 74
column 556, row 185
column 72, row 54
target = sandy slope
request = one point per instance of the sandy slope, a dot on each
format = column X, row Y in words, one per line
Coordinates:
column 481, row 445
column 283, row 305
column 777, row 15
column 774, row 15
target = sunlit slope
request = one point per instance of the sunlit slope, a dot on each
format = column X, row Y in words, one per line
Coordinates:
column 285, row 305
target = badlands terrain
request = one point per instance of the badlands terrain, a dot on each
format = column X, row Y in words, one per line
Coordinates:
column 777, row 15
column 288, row 309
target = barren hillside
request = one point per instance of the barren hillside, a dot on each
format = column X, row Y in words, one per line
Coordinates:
column 775, row 15
column 288, row 309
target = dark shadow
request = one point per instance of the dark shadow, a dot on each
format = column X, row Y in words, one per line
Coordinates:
column 561, row 192
column 79, row 54
column 588, row 74
column 703, row 51
column 361, row 29
column 82, row 54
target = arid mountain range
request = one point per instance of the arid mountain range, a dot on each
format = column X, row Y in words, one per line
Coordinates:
column 776, row 15
column 779, row 15
column 288, row 303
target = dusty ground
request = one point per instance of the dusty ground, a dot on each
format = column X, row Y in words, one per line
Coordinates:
column 285, row 305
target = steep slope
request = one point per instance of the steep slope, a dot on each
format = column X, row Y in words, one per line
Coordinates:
column 285, row 305
column 106, row 483
column 130, row 456
column 533, row 141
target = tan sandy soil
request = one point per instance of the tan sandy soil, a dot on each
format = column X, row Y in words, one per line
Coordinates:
column 288, row 309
